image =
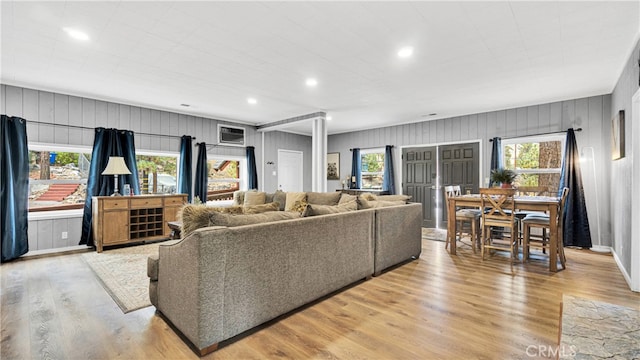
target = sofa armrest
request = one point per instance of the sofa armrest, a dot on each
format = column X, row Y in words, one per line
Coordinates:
column 190, row 289
column 398, row 235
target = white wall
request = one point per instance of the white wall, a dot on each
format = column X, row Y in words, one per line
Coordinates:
column 591, row 114
column 274, row 140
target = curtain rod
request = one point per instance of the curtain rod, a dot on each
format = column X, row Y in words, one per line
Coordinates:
column 375, row 147
column 547, row 133
column 88, row 128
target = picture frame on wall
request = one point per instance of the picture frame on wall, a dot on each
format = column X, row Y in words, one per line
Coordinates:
column 617, row 136
column 333, row 166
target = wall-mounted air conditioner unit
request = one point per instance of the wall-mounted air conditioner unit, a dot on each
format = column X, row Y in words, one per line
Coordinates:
column 230, row 135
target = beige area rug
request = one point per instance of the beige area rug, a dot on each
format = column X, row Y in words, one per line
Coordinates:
column 598, row 330
column 123, row 273
column 434, row 234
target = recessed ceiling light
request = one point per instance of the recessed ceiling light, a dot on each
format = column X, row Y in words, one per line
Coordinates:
column 76, row 34
column 405, row 52
column 311, row 82
column 329, row 118
column 252, row 101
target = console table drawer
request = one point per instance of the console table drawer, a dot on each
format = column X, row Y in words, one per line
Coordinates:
column 109, row 204
column 146, row 203
column 174, row 200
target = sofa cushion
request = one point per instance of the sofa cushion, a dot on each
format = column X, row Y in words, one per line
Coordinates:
column 345, row 198
column 292, row 197
column 258, row 209
column 254, row 198
column 240, row 220
column 332, row 209
column 366, row 204
column 321, row 198
column 404, row 198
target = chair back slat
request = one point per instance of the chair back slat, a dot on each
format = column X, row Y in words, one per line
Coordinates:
column 498, row 204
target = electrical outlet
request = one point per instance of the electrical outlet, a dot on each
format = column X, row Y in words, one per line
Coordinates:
column 65, row 234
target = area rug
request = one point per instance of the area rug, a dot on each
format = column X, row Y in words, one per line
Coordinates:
column 434, row 234
column 598, row 330
column 123, row 273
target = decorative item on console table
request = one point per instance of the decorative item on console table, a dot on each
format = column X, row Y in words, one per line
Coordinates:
column 504, row 177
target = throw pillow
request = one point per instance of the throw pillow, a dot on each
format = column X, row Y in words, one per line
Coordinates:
column 258, row 209
column 254, row 198
column 368, row 196
column 345, row 198
column 280, row 197
column 197, row 216
column 238, row 197
column 268, row 198
column 404, row 198
column 328, row 209
column 300, row 207
column 292, row 197
column 320, row 198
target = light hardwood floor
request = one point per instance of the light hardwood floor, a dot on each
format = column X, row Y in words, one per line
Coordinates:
column 440, row 306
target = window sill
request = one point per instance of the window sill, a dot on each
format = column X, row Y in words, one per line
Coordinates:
column 55, row 214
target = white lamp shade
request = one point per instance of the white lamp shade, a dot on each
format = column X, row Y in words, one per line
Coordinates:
column 116, row 166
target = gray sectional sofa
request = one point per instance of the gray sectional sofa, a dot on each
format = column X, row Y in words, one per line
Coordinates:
column 219, row 282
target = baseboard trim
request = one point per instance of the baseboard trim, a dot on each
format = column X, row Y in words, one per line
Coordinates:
column 626, row 275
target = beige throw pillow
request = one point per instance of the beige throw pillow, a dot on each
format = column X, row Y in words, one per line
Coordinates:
column 254, row 198
column 292, row 197
column 320, row 198
column 238, row 197
column 258, row 209
column 328, row 209
column 345, row 198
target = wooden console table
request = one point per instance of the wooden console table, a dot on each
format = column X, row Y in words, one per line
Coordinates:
column 127, row 219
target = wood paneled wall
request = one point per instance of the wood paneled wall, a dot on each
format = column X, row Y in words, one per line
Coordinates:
column 592, row 114
column 622, row 169
column 66, row 111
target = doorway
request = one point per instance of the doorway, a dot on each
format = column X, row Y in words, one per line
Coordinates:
column 290, row 170
column 427, row 170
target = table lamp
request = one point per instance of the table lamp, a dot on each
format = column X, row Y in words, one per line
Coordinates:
column 115, row 167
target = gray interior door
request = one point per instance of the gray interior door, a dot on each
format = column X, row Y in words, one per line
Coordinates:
column 419, row 180
column 459, row 165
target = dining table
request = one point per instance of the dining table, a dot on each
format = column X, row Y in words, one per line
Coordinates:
column 547, row 204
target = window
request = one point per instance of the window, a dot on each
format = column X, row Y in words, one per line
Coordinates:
column 157, row 173
column 57, row 177
column 223, row 179
column 536, row 160
column 372, row 168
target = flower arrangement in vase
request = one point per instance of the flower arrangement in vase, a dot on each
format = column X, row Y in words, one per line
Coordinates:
column 503, row 176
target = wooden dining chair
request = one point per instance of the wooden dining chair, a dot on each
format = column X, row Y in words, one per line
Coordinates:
column 499, row 212
column 529, row 191
column 542, row 221
column 467, row 220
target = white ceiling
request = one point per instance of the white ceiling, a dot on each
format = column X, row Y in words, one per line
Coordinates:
column 469, row 57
